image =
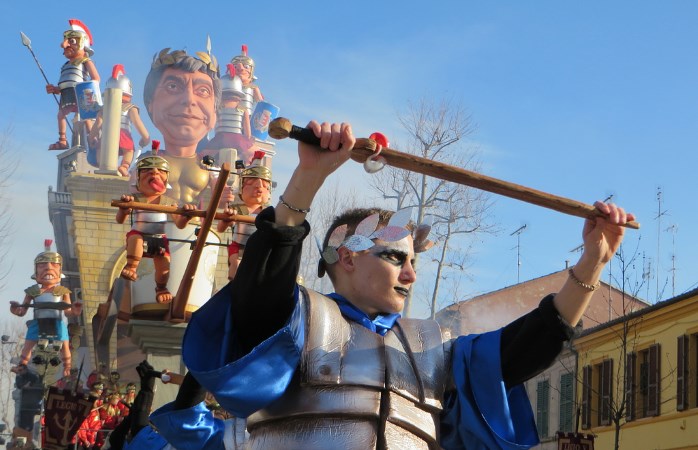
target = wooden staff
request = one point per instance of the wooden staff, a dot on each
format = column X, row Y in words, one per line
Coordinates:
column 282, row 128
column 177, row 311
column 181, row 211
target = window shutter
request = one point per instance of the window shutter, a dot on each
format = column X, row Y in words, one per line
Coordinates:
column 606, row 397
column 630, row 385
column 654, row 379
column 566, row 402
column 586, row 397
column 682, row 373
column 543, row 408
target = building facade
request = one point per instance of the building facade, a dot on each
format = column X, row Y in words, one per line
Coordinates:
column 637, row 378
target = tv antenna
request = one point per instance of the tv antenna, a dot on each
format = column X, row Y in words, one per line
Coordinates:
column 518, row 232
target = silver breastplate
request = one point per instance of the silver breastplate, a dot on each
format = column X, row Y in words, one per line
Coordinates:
column 71, row 75
column 229, row 120
column 47, row 297
column 149, row 222
column 248, row 101
column 125, row 121
column 243, row 231
column 356, row 388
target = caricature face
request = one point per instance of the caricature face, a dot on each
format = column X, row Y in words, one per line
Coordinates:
column 183, row 107
column 48, row 273
column 255, row 192
column 152, row 181
column 244, row 71
column 72, row 45
column 382, row 276
column 261, row 121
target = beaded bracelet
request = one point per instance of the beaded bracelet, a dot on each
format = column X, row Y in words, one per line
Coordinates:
column 291, row 207
column 589, row 287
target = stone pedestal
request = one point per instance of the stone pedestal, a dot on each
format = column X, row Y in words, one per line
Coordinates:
column 162, row 344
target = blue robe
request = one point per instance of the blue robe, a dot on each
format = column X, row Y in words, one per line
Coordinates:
column 480, row 414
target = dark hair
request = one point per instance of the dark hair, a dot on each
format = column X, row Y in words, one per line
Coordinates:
column 178, row 59
column 352, row 217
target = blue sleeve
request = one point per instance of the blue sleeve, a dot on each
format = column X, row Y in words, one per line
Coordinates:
column 481, row 413
column 194, row 428
column 251, row 382
column 146, row 439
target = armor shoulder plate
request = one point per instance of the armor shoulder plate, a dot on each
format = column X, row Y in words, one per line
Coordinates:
column 33, row 291
column 61, row 290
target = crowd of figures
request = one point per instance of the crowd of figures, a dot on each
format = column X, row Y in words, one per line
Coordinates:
column 305, row 370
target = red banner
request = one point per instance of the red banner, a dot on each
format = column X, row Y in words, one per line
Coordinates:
column 574, row 441
column 63, row 415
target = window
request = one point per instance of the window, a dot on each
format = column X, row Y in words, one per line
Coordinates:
column 605, row 384
column 642, row 378
column 597, row 394
column 543, row 408
column 687, row 372
column 566, row 402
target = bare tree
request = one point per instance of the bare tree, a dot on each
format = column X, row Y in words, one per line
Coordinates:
column 620, row 404
column 330, row 203
column 12, row 342
column 7, row 169
column 437, row 131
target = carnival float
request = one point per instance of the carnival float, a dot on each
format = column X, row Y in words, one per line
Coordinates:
column 143, row 235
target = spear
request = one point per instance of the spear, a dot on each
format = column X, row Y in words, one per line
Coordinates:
column 281, row 128
column 28, row 43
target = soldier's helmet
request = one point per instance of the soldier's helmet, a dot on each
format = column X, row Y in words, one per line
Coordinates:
column 119, row 80
column 244, row 60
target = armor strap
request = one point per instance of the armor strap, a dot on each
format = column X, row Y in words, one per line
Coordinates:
column 77, row 61
column 126, row 107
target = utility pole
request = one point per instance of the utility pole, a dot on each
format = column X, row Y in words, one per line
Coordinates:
column 518, row 251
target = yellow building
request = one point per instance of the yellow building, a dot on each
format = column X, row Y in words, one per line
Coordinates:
column 638, row 378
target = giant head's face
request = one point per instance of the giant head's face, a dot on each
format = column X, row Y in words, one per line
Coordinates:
column 183, row 107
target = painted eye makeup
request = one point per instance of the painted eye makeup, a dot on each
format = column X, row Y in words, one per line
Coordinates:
column 394, row 257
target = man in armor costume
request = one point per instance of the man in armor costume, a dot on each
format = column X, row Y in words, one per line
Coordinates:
column 255, row 191
column 147, row 236
column 130, row 115
column 182, row 94
column 77, row 43
column 345, row 371
column 50, row 301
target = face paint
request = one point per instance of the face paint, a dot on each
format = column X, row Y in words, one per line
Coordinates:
column 395, row 253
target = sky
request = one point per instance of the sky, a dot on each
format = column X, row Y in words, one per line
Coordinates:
column 579, row 99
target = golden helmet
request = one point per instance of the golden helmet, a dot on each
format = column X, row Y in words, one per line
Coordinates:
column 153, row 162
column 48, row 257
column 262, row 172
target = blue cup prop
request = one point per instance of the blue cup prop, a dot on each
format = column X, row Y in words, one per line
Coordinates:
column 89, row 99
column 263, row 114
